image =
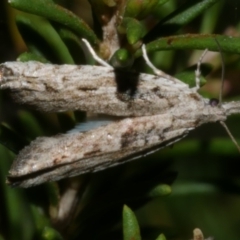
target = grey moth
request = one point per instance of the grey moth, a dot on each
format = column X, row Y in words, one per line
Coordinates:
column 154, row 111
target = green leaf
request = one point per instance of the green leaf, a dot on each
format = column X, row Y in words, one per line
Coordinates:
column 29, row 123
column 210, row 19
column 228, row 44
column 14, row 204
column 121, row 59
column 141, row 9
column 133, row 28
column 160, row 190
column 41, row 221
column 161, row 237
column 74, row 45
column 11, row 139
column 29, row 56
column 188, row 75
column 34, row 29
column 131, row 230
column 50, row 234
column 179, row 18
column 48, row 9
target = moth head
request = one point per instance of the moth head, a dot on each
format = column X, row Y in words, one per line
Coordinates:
column 214, row 102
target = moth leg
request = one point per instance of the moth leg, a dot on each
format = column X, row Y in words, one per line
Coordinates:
column 157, row 71
column 198, row 71
column 148, row 62
column 94, row 55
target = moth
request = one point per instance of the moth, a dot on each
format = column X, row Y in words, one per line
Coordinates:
column 154, row 111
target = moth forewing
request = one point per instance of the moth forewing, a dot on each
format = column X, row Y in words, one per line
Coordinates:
column 76, row 153
column 56, row 88
column 67, row 155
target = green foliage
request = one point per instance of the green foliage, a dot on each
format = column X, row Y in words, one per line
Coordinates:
column 121, row 59
column 161, row 237
column 208, row 179
column 49, row 10
column 131, row 229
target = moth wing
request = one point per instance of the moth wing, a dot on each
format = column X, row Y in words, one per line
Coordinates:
column 67, row 155
column 95, row 89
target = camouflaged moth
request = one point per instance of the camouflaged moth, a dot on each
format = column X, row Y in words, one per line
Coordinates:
column 155, row 111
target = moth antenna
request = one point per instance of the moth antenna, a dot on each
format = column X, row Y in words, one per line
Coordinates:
column 230, row 135
column 149, row 63
column 94, row 55
column 220, row 96
column 198, row 70
column 223, row 72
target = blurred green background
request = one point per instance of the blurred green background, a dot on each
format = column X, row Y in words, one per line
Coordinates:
column 202, row 169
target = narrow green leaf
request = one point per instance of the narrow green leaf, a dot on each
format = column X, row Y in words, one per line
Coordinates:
column 141, row 9
column 131, row 230
column 187, row 12
column 228, row 44
column 14, row 204
column 160, row 190
column 161, row 2
column 188, row 75
column 51, row 234
column 30, row 124
column 29, row 56
column 161, row 237
column 179, row 18
column 48, row 9
column 210, row 19
column 133, row 28
column 11, row 139
column 74, row 45
column 40, row 219
column 29, row 24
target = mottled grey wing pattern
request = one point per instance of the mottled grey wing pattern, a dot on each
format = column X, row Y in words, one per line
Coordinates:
column 56, row 88
column 156, row 110
column 66, row 155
